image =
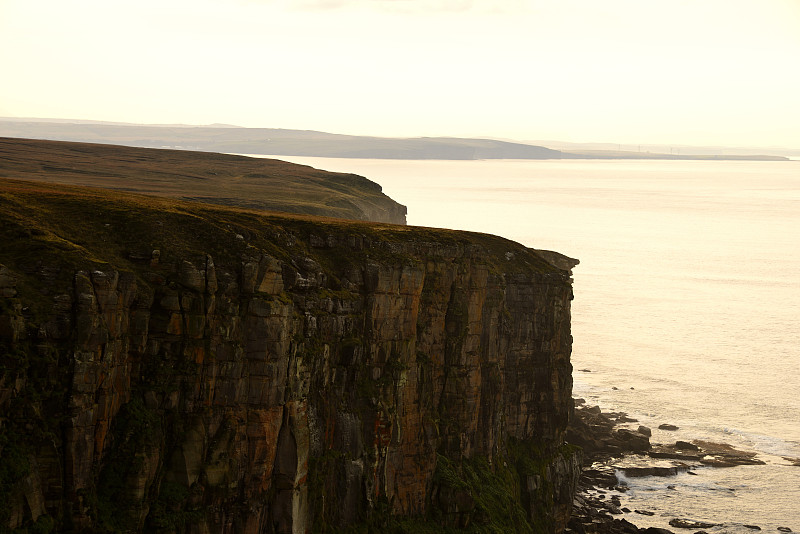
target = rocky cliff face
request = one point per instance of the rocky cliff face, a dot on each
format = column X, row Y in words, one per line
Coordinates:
column 285, row 376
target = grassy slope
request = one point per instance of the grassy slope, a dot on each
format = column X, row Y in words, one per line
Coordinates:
column 207, row 177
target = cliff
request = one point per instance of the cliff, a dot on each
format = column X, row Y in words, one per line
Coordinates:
column 177, row 367
column 223, row 179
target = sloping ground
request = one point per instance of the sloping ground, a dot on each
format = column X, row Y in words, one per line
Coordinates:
column 170, row 366
column 255, row 183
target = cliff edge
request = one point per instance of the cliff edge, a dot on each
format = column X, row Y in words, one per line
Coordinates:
column 223, row 179
column 177, row 367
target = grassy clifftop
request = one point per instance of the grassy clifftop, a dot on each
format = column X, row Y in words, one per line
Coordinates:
column 52, row 224
column 262, row 184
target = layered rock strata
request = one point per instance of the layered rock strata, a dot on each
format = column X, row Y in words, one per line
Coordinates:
column 288, row 376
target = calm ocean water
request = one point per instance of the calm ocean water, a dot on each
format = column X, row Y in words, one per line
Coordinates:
column 687, row 301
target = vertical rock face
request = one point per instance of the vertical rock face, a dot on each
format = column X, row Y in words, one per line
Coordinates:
column 337, row 379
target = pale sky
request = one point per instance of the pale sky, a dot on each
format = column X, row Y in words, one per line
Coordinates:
column 721, row 72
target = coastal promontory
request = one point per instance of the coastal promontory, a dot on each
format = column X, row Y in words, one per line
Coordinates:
column 174, row 366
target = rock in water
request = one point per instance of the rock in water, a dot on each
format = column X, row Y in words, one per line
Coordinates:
column 652, row 471
column 688, row 523
column 634, row 441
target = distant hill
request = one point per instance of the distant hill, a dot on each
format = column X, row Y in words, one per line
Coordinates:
column 271, row 141
column 230, row 139
column 255, row 183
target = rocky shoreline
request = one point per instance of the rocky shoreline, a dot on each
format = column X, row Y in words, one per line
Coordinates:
column 610, row 449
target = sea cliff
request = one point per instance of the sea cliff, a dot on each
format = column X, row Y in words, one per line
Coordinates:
column 172, row 367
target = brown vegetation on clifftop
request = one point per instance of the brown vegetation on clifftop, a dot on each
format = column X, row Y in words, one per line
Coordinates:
column 227, row 180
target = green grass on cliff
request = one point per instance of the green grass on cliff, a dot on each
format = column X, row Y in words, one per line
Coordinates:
column 495, row 491
column 489, row 496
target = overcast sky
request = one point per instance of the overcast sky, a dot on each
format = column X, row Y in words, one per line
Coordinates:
column 723, row 72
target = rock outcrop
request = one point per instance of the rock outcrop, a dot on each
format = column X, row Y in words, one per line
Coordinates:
column 242, row 373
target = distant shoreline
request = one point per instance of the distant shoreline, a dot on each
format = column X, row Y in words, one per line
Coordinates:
column 677, row 157
column 304, row 143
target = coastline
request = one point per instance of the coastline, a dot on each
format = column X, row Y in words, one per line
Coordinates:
column 616, row 457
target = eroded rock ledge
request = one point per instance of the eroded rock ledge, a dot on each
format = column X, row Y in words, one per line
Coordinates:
column 617, row 455
column 239, row 373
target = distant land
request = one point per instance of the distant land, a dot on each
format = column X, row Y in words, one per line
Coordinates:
column 211, row 178
column 644, row 150
column 230, row 139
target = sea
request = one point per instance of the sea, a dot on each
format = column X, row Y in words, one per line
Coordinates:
column 686, row 309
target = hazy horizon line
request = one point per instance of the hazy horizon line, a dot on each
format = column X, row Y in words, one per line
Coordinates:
column 622, row 146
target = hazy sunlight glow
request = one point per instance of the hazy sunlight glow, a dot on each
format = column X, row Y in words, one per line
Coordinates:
column 718, row 72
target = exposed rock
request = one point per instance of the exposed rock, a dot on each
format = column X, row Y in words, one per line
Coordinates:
column 594, row 431
column 558, row 260
column 623, row 418
column 688, row 523
column 723, row 455
column 666, row 426
column 610, row 453
column 707, row 453
column 634, row 441
column 282, row 387
column 671, row 452
column 653, row 471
